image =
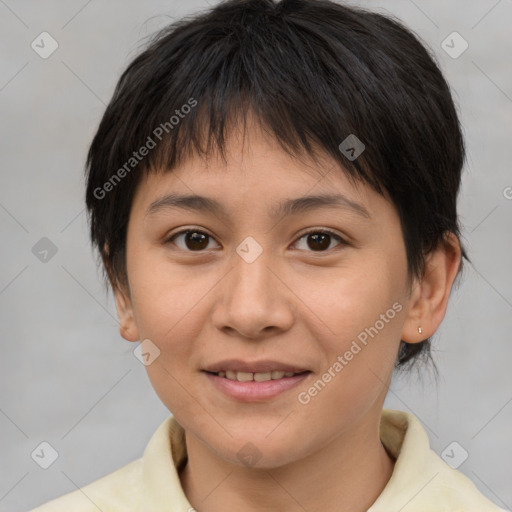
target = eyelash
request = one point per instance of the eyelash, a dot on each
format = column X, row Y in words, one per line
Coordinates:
column 302, row 235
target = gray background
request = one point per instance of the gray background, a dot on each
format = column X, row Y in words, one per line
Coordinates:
column 66, row 375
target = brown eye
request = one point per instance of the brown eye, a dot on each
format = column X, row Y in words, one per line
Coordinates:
column 319, row 241
column 192, row 240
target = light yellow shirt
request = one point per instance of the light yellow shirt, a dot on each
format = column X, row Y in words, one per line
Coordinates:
column 421, row 480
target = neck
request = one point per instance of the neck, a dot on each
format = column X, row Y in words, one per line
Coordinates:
column 348, row 473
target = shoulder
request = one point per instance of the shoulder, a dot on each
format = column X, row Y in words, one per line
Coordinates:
column 145, row 484
column 121, row 488
column 453, row 488
column 422, row 481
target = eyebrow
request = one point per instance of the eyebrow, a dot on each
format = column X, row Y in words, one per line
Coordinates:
column 287, row 207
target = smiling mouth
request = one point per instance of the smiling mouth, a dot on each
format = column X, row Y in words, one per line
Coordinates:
column 256, row 377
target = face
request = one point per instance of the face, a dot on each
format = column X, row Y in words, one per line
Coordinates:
column 318, row 290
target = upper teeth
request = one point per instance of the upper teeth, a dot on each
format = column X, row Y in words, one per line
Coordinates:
column 258, row 377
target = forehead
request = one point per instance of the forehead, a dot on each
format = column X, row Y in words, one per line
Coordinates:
column 256, row 168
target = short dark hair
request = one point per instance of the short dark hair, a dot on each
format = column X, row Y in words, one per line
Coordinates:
column 313, row 72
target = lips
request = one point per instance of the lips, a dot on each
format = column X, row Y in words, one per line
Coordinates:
column 255, row 376
column 254, row 381
column 239, row 366
column 254, row 371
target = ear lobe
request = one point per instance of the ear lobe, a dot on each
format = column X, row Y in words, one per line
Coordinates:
column 127, row 326
column 429, row 296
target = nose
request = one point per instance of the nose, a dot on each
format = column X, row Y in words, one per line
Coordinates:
column 254, row 300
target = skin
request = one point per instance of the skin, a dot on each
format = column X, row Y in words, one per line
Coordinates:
column 293, row 304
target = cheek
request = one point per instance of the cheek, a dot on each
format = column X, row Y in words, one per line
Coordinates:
column 349, row 300
column 360, row 357
column 167, row 311
column 362, row 318
column 165, row 296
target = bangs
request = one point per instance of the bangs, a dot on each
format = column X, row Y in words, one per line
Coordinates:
column 269, row 71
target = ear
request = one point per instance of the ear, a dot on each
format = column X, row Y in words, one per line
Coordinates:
column 429, row 295
column 127, row 325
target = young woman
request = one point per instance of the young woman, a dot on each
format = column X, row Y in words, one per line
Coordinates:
column 272, row 191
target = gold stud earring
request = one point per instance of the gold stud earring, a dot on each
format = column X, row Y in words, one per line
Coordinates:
column 420, row 330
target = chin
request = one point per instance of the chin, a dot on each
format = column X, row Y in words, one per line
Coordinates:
column 258, row 452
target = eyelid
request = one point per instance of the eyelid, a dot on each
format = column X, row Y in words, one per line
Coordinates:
column 169, row 239
column 321, row 230
column 328, row 231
